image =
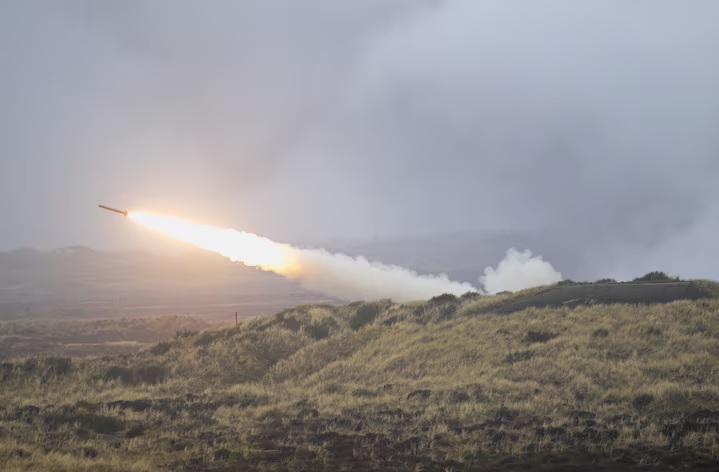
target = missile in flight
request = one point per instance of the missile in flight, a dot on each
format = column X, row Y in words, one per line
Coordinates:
column 122, row 212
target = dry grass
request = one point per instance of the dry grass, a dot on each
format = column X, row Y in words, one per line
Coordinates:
column 441, row 385
column 99, row 336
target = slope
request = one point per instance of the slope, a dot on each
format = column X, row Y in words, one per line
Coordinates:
column 447, row 384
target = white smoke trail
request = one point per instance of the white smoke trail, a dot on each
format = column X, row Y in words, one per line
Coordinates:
column 517, row 271
column 357, row 278
column 354, row 278
column 316, row 269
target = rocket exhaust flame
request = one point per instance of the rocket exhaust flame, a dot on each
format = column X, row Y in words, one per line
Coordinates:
column 316, row 269
column 248, row 248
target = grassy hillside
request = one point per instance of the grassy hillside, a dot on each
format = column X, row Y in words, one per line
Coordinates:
column 443, row 385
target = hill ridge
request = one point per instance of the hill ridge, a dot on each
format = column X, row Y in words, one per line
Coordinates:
column 446, row 384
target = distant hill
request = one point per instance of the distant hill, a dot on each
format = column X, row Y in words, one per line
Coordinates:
column 79, row 282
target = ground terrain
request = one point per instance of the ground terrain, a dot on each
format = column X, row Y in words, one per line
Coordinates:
column 450, row 384
column 91, row 337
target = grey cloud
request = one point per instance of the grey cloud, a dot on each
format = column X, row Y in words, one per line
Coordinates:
column 590, row 123
column 591, row 126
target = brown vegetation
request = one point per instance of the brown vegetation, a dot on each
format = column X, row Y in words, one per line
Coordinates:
column 442, row 385
column 86, row 337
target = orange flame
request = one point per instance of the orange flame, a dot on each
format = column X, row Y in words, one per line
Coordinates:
column 248, row 248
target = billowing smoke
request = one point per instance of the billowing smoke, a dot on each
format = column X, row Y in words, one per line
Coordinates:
column 356, row 278
column 324, row 120
column 517, row 271
column 316, row 269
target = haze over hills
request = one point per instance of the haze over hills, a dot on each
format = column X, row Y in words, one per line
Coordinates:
column 80, row 282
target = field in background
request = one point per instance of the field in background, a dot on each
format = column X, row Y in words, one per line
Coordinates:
column 88, row 337
column 444, row 385
column 79, row 283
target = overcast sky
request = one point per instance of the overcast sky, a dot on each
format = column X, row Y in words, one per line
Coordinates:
column 591, row 124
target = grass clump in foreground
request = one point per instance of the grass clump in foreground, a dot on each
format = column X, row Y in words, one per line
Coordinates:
column 443, row 385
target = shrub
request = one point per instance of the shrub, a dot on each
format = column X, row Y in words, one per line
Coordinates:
column 205, row 338
column 390, row 321
column 86, row 422
column 30, row 365
column 600, row 333
column 123, row 374
column 364, row 315
column 606, row 281
column 147, row 374
column 222, row 454
column 470, row 296
column 519, row 356
column 135, row 431
column 150, row 374
column 656, row 276
column 540, row 336
column 100, row 424
column 7, row 369
column 567, row 282
column 161, row 348
column 57, row 365
column 654, row 331
column 291, row 323
column 421, row 394
column 459, row 396
column 444, row 298
column 185, row 333
column 320, row 329
column 642, row 401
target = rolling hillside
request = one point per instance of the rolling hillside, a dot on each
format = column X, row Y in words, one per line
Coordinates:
column 444, row 385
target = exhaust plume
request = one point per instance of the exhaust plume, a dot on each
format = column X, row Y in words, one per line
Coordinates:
column 517, row 271
column 316, row 269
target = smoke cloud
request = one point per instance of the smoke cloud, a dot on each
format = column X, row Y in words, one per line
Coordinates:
column 356, row 278
column 333, row 274
column 590, row 126
column 517, row 271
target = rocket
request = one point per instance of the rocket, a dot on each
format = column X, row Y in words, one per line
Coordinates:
column 122, row 212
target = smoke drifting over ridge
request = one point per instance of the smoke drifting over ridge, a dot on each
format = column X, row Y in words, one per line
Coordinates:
column 517, row 271
column 342, row 276
column 350, row 278
column 591, row 125
column 356, row 278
